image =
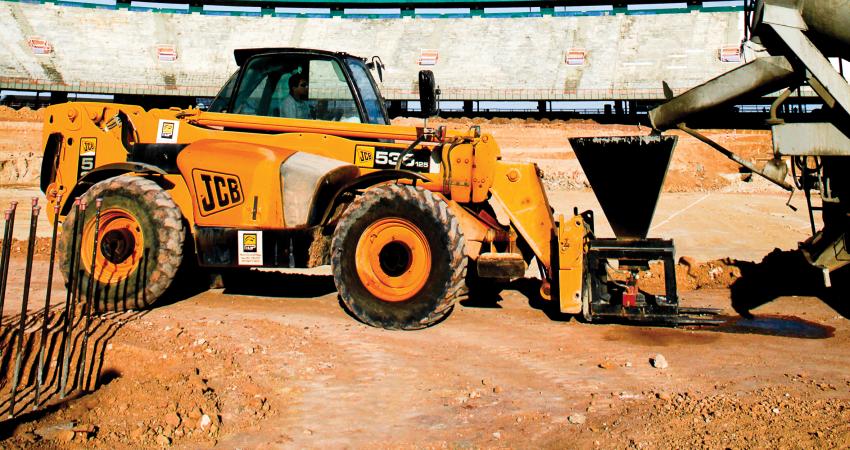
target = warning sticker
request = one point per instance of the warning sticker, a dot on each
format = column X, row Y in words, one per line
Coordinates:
column 250, row 248
column 167, row 132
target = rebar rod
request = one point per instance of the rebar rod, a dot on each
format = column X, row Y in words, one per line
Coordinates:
column 43, row 342
column 25, row 299
column 4, row 256
column 70, row 298
column 87, row 308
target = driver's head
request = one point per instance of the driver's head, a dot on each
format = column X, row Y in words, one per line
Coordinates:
column 298, row 86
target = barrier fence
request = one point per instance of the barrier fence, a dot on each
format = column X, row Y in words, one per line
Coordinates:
column 208, row 87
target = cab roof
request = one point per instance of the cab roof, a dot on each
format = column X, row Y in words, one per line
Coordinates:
column 241, row 55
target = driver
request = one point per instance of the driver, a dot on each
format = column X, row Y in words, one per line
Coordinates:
column 295, row 105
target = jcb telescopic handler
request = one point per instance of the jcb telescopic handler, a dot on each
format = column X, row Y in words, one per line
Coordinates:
column 295, row 164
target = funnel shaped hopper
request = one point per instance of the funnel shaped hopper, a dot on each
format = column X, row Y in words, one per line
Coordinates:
column 626, row 174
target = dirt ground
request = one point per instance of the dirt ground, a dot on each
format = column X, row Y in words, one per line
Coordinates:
column 272, row 360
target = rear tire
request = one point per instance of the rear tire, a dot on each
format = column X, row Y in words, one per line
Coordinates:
column 140, row 243
column 398, row 258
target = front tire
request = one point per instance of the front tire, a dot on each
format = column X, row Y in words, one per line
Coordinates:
column 398, row 258
column 140, row 243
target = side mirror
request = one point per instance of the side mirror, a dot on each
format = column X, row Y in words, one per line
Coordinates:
column 428, row 93
column 376, row 63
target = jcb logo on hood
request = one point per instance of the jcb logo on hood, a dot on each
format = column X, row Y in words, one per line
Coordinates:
column 216, row 191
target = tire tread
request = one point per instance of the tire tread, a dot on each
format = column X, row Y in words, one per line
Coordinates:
column 427, row 202
column 166, row 215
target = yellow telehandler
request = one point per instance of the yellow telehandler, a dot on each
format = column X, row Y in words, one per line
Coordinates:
column 295, row 164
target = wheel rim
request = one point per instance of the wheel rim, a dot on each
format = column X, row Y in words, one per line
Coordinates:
column 120, row 246
column 393, row 259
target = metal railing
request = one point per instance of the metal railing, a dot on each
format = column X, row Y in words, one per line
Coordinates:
column 209, row 87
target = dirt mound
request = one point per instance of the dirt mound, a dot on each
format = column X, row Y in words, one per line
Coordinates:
column 23, row 114
column 20, row 143
column 7, row 113
column 769, row 417
column 20, row 169
column 569, row 179
column 179, row 409
column 156, row 404
column 690, row 275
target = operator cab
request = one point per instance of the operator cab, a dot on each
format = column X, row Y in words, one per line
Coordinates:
column 302, row 84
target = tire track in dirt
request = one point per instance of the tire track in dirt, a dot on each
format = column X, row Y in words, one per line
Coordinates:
column 384, row 378
column 364, row 380
column 437, row 373
column 334, row 382
column 368, row 383
column 527, row 384
column 380, row 371
column 566, row 375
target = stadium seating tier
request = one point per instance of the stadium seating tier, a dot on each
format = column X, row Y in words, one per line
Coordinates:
column 115, row 51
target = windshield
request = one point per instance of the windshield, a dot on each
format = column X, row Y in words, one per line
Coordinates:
column 302, row 86
column 222, row 100
column 369, row 94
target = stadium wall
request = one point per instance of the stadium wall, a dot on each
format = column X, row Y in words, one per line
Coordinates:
column 115, row 51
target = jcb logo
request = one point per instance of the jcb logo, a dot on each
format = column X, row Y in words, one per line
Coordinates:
column 88, row 145
column 364, row 156
column 216, row 191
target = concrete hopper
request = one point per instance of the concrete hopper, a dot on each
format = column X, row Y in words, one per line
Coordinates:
column 626, row 174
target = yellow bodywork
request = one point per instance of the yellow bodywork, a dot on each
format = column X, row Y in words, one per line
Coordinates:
column 519, row 191
column 224, row 188
column 572, row 246
column 246, row 153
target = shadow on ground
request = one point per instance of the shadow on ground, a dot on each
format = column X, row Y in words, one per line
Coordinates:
column 276, row 284
column 783, row 274
column 73, row 361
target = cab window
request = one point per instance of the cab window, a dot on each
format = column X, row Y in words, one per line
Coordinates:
column 295, row 86
column 369, row 94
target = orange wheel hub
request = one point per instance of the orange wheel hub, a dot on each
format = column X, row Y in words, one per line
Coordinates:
column 120, row 246
column 393, row 259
